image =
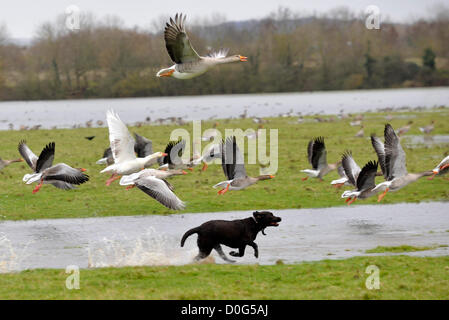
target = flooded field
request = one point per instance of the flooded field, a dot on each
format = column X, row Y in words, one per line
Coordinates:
column 303, row 235
column 69, row 113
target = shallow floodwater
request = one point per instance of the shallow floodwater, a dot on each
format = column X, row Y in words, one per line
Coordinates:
column 67, row 113
column 303, row 235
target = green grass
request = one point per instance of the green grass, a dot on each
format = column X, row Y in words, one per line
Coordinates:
column 402, row 248
column 286, row 190
column 401, row 277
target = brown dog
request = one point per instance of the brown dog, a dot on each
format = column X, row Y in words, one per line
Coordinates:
column 235, row 234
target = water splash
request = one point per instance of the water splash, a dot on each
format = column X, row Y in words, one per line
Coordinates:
column 11, row 258
column 149, row 249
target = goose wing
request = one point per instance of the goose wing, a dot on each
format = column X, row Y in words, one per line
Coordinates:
column 319, row 154
column 143, row 146
column 352, row 170
column 380, row 151
column 177, row 42
column 365, row 180
column 46, row 157
column 395, row 164
column 161, row 191
column 62, row 185
column 174, row 151
column 64, row 172
column 232, row 160
column 27, row 154
column 122, row 143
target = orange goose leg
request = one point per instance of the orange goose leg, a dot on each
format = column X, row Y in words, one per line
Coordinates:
column 130, row 186
column 223, row 191
column 304, row 179
column 112, row 179
column 38, row 187
column 379, row 199
column 352, row 201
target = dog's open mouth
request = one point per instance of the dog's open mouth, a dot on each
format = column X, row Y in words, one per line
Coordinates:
column 274, row 224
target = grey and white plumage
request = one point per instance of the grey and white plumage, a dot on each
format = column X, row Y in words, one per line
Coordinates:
column 159, row 189
column 61, row 175
column 188, row 64
column 233, row 165
column 393, row 163
column 317, row 157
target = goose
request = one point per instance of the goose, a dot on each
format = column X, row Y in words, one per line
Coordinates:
column 405, row 129
column 234, row 168
column 108, row 158
column 157, row 188
column 361, row 132
column 392, row 161
column 122, row 147
column 5, row 163
column 428, row 129
column 343, row 181
column 172, row 156
column 188, row 64
column 441, row 169
column 317, row 154
column 211, row 153
column 61, row 175
column 143, row 147
column 362, row 179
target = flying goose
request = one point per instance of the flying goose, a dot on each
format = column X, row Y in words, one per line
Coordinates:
column 188, row 64
column 317, row 156
column 5, row 163
column 142, row 147
column 158, row 189
column 441, row 169
column 362, row 179
column 233, row 166
column 212, row 152
column 172, row 156
column 61, row 175
column 393, row 163
column 343, row 181
column 428, row 129
column 122, row 147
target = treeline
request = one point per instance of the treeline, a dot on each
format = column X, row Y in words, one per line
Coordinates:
column 286, row 52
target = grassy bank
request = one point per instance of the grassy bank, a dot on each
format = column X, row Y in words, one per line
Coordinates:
column 401, row 277
column 286, row 190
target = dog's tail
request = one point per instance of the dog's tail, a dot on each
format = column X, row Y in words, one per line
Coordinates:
column 188, row 234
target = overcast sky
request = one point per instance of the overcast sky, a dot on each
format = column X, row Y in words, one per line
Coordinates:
column 23, row 16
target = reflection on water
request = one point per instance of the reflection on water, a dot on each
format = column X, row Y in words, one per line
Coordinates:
column 303, row 235
column 69, row 113
column 426, row 141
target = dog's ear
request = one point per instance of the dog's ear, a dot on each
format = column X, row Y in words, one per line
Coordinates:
column 256, row 215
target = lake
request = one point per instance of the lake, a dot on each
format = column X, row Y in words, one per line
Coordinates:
column 69, row 113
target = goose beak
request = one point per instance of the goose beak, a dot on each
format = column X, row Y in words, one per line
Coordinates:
column 271, row 177
column 168, row 73
column 82, row 170
column 243, row 58
column 164, row 154
column 21, row 160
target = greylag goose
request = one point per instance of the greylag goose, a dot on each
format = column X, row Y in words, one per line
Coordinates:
column 188, row 64
column 343, row 181
column 317, row 156
column 405, row 129
column 172, row 156
column 233, row 166
column 441, row 169
column 158, row 189
column 428, row 129
column 361, row 132
column 143, row 147
column 122, row 147
column 392, row 161
column 5, row 163
column 211, row 153
column 61, row 175
column 362, row 179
